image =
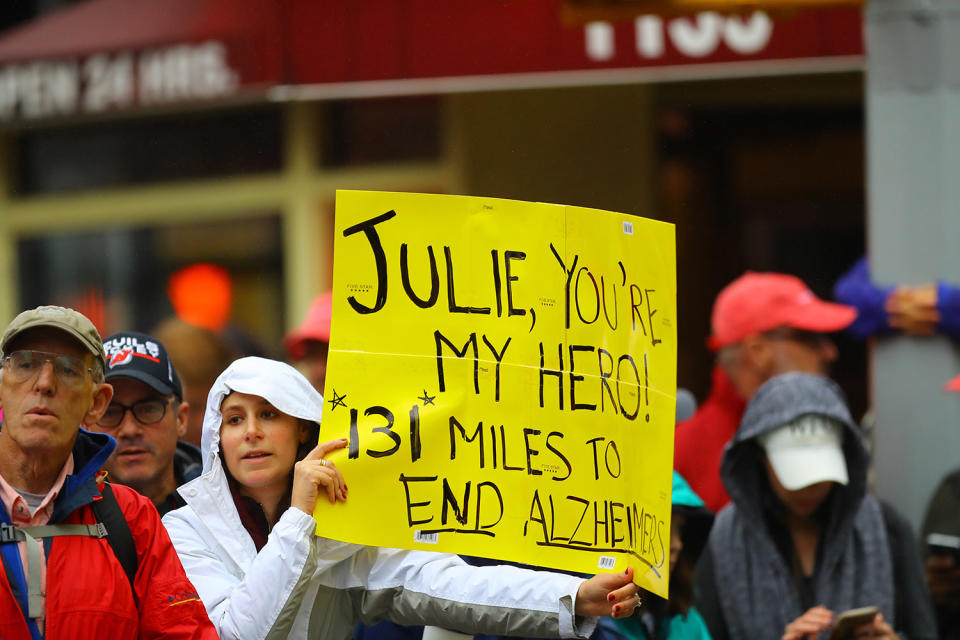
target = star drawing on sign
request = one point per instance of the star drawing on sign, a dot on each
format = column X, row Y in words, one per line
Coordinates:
column 338, row 400
column 426, row 399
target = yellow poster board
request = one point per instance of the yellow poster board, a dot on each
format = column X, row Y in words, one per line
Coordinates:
column 505, row 373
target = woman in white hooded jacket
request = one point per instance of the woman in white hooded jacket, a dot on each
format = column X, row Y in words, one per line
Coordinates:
column 259, row 581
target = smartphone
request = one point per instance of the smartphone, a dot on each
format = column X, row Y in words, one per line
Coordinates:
column 848, row 621
column 941, row 544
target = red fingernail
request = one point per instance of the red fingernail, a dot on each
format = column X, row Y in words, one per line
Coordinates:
column 611, row 597
column 616, row 608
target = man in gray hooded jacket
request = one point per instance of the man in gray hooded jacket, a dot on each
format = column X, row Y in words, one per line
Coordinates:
column 802, row 541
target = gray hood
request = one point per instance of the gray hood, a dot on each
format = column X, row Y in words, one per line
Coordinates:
column 779, row 401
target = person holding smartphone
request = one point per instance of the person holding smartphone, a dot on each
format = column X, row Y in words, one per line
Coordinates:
column 941, row 535
column 943, row 578
column 802, row 541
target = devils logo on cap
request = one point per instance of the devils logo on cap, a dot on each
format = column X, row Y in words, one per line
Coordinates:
column 124, row 356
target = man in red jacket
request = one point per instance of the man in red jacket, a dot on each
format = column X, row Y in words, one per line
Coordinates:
column 764, row 324
column 80, row 558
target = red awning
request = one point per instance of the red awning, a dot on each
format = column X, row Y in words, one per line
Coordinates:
column 105, row 55
column 420, row 39
column 105, row 26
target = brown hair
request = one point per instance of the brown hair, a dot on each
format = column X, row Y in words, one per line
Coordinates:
column 680, row 595
column 199, row 354
column 681, row 586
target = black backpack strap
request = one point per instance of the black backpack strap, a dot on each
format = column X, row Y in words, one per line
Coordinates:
column 108, row 512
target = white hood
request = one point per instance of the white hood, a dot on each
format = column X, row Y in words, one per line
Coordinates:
column 280, row 384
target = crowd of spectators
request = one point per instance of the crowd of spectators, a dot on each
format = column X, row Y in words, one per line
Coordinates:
column 774, row 531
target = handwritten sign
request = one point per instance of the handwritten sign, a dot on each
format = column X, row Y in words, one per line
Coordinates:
column 505, row 373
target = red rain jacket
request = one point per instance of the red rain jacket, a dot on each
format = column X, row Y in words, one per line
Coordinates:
column 88, row 594
column 699, row 441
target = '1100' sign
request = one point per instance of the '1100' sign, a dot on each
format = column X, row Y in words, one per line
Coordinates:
column 698, row 37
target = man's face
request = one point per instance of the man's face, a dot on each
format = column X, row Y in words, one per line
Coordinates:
column 42, row 413
column 144, row 455
column 803, row 351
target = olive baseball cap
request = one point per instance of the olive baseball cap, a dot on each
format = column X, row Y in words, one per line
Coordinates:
column 67, row 320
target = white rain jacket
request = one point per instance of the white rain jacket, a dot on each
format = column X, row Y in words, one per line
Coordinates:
column 303, row 586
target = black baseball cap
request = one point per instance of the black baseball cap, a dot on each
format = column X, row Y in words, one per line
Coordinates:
column 141, row 357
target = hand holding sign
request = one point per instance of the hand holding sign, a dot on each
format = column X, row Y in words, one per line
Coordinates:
column 314, row 472
column 608, row 594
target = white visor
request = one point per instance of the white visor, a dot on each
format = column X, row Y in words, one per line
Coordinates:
column 806, row 451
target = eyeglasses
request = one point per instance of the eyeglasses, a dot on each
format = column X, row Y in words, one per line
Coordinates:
column 150, row 411
column 26, row 364
column 812, row 339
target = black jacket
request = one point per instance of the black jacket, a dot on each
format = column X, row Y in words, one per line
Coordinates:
column 943, row 516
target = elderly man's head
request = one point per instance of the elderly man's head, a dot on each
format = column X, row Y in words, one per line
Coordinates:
column 52, row 381
column 765, row 324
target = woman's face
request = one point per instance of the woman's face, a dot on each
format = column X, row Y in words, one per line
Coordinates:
column 676, row 544
column 804, row 502
column 258, row 442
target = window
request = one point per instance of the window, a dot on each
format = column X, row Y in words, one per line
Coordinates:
column 150, row 150
column 118, row 277
column 371, row 131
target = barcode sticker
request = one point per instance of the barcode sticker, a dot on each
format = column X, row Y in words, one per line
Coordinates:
column 607, row 562
column 628, row 227
column 427, row 538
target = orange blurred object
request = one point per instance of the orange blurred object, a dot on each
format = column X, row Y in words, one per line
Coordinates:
column 90, row 304
column 952, row 385
column 202, row 294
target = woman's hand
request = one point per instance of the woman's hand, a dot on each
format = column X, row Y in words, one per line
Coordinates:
column 607, row 594
column 809, row 625
column 876, row 629
column 314, row 472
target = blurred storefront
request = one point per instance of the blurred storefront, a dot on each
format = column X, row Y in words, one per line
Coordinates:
column 137, row 137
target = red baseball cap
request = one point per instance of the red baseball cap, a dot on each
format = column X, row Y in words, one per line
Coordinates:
column 315, row 326
column 952, row 385
column 758, row 302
